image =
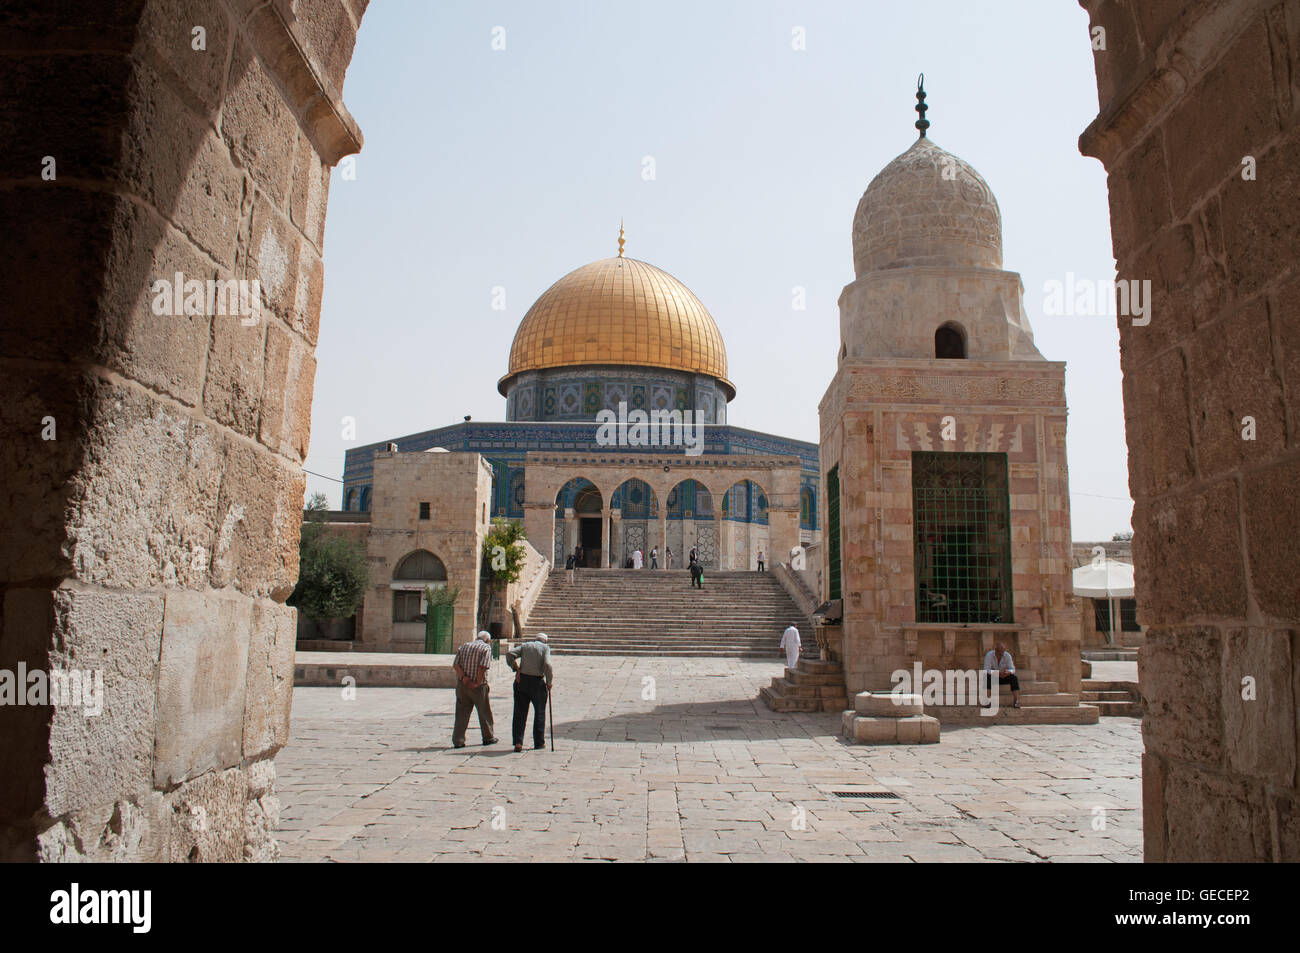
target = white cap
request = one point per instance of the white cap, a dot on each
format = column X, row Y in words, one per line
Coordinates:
column 541, row 637
column 485, row 636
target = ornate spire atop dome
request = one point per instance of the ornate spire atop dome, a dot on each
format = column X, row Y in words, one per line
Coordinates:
column 621, row 242
column 922, row 123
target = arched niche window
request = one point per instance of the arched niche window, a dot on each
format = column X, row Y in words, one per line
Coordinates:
column 421, row 566
column 950, row 342
column 416, row 571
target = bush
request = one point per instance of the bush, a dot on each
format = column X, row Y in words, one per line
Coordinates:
column 332, row 574
column 503, row 550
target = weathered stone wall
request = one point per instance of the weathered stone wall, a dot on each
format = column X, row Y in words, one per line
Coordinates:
column 153, row 461
column 458, row 489
column 1197, row 131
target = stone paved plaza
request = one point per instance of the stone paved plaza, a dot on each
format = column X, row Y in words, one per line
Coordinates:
column 703, row 772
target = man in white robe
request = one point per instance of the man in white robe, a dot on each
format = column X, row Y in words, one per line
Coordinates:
column 636, row 559
column 790, row 645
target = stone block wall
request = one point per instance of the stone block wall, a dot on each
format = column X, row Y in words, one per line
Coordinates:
column 875, row 414
column 154, row 461
column 1197, row 129
column 458, row 489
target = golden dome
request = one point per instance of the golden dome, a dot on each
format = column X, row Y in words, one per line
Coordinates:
column 619, row 311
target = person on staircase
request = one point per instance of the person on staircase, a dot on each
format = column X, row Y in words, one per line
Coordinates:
column 531, row 663
column 697, row 574
column 568, row 566
column 637, row 558
column 760, row 561
column 654, row 557
column 790, row 645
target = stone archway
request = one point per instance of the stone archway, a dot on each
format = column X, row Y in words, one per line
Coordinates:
column 218, row 165
column 156, row 429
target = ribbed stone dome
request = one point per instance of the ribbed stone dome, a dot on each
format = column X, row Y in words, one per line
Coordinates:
column 927, row 207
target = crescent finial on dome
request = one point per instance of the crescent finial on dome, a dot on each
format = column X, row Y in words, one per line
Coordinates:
column 621, row 242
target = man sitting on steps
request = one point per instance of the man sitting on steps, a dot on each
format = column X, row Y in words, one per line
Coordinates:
column 999, row 661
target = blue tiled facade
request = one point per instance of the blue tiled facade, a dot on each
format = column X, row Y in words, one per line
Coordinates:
column 504, row 444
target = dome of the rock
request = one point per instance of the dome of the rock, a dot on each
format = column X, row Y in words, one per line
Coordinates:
column 619, row 312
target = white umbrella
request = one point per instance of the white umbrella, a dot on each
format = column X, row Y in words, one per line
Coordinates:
column 1108, row 580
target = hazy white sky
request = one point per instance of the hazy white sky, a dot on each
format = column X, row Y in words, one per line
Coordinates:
column 487, row 168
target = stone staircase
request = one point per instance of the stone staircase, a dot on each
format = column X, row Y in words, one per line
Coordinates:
column 1040, row 704
column 813, row 685
column 657, row 612
column 1113, row 698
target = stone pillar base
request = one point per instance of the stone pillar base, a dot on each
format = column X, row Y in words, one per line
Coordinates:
column 884, row 718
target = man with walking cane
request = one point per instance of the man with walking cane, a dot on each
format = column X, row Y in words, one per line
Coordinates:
column 531, row 663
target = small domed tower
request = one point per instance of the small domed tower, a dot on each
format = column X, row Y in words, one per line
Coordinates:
column 927, row 254
column 946, row 498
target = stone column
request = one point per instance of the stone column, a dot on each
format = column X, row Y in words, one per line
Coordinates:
column 663, row 540
column 616, row 538
column 783, row 533
column 539, row 526
column 605, row 532
column 154, row 461
column 570, row 531
column 717, row 540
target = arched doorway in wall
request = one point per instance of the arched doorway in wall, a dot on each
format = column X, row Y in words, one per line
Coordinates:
column 638, row 523
column 414, row 573
column 579, row 520
column 745, row 527
column 692, row 524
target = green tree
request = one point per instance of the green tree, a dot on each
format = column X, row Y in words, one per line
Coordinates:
column 503, row 551
column 503, row 561
column 332, row 570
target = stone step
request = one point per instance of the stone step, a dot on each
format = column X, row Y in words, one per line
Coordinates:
column 788, row 689
column 791, row 703
column 1091, row 696
column 1024, row 715
column 778, row 702
column 798, row 677
column 1127, row 709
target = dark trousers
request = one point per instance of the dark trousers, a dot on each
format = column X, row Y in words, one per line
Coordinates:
column 467, row 700
column 530, row 690
column 697, row 580
column 1003, row 680
column 760, row 565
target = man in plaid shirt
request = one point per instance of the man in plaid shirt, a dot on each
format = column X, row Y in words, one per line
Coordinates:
column 471, row 666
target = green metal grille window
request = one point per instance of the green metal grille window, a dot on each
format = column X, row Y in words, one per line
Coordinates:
column 962, row 537
column 833, row 530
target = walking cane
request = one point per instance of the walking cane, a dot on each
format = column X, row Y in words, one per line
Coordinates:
column 550, row 704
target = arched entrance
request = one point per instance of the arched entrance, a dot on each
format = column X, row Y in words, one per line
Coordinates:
column 634, row 523
column 579, row 520
column 745, row 528
column 692, row 524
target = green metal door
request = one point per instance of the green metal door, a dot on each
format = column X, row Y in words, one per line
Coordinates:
column 438, row 630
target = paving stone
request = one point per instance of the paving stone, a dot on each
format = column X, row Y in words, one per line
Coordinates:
column 709, row 779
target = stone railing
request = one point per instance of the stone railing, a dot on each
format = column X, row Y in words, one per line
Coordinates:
column 797, row 589
column 524, row 593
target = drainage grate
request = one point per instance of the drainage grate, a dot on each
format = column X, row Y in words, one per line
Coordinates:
column 867, row 794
